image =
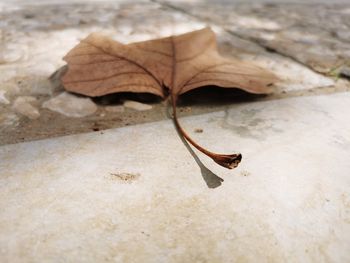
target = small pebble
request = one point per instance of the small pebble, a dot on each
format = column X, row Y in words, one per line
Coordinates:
column 137, row 105
column 117, row 108
column 41, row 86
column 71, row 105
column 198, row 130
column 22, row 105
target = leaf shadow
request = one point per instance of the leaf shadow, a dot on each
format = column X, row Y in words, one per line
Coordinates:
column 211, row 96
column 210, row 178
column 214, row 96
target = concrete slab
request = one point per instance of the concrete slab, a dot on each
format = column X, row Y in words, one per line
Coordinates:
column 136, row 194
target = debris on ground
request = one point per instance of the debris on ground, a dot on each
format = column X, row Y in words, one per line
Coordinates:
column 117, row 108
column 135, row 105
column 23, row 106
column 71, row 105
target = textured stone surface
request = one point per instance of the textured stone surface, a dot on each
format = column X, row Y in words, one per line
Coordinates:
column 136, row 194
column 314, row 34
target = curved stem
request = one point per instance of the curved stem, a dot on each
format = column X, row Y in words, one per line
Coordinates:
column 229, row 161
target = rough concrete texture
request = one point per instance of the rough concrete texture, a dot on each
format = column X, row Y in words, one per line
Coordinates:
column 314, row 34
column 138, row 193
column 36, row 35
column 117, row 196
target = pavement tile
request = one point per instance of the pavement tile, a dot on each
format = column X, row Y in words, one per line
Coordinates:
column 137, row 194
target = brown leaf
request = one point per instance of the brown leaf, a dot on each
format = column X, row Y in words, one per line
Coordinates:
column 99, row 65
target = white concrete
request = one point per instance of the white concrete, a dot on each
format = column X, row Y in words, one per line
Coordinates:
column 136, row 194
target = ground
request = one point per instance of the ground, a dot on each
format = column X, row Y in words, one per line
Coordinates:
column 308, row 48
column 111, row 193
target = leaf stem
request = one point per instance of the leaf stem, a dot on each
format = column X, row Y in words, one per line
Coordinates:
column 229, row 161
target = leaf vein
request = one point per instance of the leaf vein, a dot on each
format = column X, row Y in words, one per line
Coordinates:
column 130, row 61
column 108, row 77
column 154, row 51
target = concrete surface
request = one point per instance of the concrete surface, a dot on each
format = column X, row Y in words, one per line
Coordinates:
column 136, row 194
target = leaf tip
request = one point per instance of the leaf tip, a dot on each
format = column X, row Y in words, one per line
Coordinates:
column 228, row 161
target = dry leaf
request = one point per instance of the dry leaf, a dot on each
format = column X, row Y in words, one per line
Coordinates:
column 174, row 65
